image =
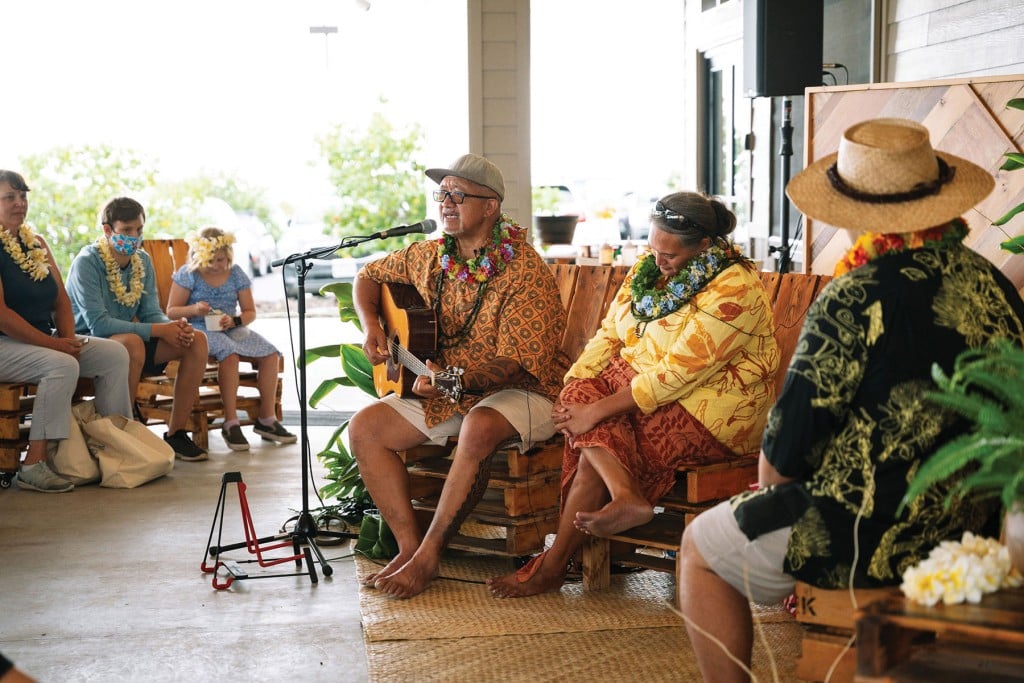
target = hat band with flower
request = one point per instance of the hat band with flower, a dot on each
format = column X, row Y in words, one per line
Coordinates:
column 886, row 178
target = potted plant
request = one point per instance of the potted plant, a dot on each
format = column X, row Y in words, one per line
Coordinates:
column 552, row 222
column 1014, row 161
column 987, row 388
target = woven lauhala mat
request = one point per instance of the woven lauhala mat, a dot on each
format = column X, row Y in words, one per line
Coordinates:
column 458, row 604
column 637, row 654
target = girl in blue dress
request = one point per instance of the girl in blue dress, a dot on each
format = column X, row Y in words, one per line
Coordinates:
column 210, row 285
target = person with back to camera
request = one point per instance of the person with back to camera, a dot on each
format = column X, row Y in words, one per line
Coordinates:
column 681, row 372
column 209, row 284
column 38, row 343
column 113, row 293
column 852, row 423
column 500, row 319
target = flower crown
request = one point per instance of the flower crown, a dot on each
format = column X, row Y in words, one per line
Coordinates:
column 204, row 249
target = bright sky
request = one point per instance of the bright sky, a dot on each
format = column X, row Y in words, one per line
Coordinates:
column 243, row 86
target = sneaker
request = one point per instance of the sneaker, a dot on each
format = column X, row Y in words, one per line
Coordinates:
column 234, row 439
column 184, row 447
column 274, row 432
column 39, row 477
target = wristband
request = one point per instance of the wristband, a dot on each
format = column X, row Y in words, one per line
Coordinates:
column 237, row 320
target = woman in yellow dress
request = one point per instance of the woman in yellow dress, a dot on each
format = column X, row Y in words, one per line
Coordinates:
column 680, row 373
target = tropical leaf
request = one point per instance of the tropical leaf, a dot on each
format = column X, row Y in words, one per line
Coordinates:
column 326, row 387
column 1016, row 103
column 1014, row 160
column 357, row 368
column 986, row 387
column 1009, row 215
column 329, row 351
column 1014, row 246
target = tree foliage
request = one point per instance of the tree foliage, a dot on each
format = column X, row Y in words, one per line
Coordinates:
column 174, row 206
column 71, row 184
column 376, row 179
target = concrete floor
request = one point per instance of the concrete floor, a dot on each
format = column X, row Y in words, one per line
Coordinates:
column 105, row 584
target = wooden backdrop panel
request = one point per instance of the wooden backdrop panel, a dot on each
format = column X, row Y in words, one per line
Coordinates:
column 966, row 117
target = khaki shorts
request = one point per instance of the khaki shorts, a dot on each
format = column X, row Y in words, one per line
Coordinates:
column 754, row 568
column 527, row 412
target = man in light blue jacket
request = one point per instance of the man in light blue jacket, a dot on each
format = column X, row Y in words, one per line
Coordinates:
column 113, row 293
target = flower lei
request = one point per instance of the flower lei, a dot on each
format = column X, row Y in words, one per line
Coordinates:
column 871, row 245
column 485, row 266
column 958, row 571
column 204, row 249
column 653, row 298
column 127, row 297
column 34, row 263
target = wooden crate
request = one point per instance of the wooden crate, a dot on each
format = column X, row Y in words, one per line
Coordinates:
column 828, row 618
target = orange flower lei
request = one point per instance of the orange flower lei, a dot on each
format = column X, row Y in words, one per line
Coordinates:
column 871, row 245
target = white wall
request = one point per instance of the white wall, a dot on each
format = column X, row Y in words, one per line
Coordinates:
column 928, row 39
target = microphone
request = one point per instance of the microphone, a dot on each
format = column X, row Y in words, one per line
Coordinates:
column 424, row 226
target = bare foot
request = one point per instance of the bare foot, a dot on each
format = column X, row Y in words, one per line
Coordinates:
column 533, row 578
column 410, row 579
column 616, row 516
column 391, row 567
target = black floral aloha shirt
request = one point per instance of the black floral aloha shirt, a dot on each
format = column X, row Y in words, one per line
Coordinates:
column 852, row 424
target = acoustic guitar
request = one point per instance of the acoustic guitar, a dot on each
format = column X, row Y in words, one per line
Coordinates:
column 411, row 329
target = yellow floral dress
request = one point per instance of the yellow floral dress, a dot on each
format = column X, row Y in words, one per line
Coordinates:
column 702, row 376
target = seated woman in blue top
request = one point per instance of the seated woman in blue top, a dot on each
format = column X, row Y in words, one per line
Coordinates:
column 209, row 285
column 38, row 344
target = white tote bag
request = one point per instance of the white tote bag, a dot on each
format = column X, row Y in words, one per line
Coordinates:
column 129, row 454
column 71, row 457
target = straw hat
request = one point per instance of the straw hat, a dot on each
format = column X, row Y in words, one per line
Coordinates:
column 887, row 178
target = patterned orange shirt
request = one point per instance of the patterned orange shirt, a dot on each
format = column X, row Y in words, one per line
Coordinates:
column 521, row 317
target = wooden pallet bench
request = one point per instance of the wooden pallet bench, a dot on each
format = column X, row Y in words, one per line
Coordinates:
column 512, row 527
column 15, row 412
column 155, row 392
column 828, row 618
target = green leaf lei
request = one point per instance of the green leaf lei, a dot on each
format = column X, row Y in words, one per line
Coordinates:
column 651, row 302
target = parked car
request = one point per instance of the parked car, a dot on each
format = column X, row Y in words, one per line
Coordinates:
column 634, row 214
column 253, row 234
column 300, row 238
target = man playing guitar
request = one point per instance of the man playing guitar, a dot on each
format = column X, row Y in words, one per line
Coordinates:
column 493, row 376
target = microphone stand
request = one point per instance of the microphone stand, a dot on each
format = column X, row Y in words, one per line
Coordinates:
column 785, row 151
column 305, row 531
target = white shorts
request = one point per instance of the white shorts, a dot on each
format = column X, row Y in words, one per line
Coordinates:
column 527, row 412
column 754, row 568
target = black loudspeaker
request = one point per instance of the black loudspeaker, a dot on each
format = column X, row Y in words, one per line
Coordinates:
column 782, row 42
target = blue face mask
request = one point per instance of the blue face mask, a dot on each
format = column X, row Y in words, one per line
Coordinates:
column 126, row 245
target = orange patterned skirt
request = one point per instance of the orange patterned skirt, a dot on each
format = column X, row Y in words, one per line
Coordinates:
column 650, row 447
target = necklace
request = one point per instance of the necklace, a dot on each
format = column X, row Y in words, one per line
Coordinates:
column 479, row 269
column 871, row 245
column 653, row 299
column 484, row 266
column 126, row 297
column 34, row 263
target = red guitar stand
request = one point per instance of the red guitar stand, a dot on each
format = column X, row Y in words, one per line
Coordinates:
column 255, row 546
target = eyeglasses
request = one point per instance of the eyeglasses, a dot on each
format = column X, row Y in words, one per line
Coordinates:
column 457, row 197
